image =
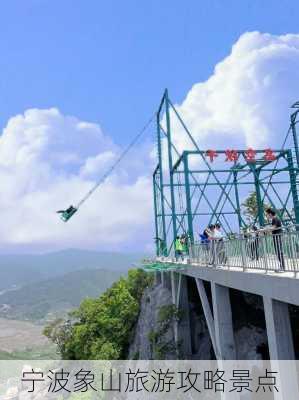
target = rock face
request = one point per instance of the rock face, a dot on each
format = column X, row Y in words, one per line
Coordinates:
column 250, row 326
column 248, row 320
column 200, row 338
column 152, row 300
column 249, row 342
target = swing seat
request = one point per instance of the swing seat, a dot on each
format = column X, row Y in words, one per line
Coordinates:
column 68, row 213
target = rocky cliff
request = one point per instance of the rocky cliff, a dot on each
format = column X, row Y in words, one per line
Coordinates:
column 250, row 334
column 154, row 300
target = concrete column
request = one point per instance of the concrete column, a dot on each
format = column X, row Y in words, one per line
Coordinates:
column 207, row 312
column 281, row 347
column 173, row 277
column 162, row 278
column 166, row 280
column 158, row 278
column 224, row 334
column 173, row 295
column 280, row 337
column 184, row 328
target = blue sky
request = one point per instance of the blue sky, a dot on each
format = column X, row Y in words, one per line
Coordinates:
column 109, row 61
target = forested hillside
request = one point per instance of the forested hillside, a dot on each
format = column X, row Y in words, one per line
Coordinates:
column 102, row 328
column 56, row 296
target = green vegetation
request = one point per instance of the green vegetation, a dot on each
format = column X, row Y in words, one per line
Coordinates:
column 101, row 328
column 160, row 345
column 250, row 208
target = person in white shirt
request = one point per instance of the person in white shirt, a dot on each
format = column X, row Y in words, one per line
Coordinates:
column 209, row 233
column 220, row 247
column 210, row 230
column 217, row 232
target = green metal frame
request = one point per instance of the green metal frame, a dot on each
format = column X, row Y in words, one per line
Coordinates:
column 190, row 191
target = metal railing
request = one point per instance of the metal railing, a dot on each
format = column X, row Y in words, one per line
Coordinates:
column 268, row 252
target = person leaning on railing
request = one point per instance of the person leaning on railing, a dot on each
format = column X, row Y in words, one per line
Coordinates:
column 220, row 248
column 216, row 244
column 276, row 230
column 210, row 232
column 205, row 239
column 205, row 242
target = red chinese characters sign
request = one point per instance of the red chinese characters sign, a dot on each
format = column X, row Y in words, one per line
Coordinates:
column 211, row 154
column 232, row 155
column 269, row 155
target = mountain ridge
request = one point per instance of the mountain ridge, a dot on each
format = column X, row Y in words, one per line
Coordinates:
column 21, row 269
column 54, row 297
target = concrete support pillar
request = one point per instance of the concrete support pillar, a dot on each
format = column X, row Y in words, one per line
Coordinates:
column 158, row 278
column 166, row 279
column 280, row 338
column 174, row 287
column 224, row 334
column 281, row 347
column 162, row 278
column 184, row 328
column 208, row 313
column 173, row 283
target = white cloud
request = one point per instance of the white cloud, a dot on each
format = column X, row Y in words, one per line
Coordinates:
column 93, row 165
column 246, row 102
column 49, row 160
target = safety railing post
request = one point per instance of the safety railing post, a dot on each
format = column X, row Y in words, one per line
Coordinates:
column 296, row 247
column 295, row 244
column 226, row 245
column 214, row 254
column 291, row 247
column 264, row 250
column 192, row 253
column 243, row 252
column 200, row 257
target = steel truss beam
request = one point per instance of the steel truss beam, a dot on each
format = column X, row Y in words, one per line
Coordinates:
column 187, row 198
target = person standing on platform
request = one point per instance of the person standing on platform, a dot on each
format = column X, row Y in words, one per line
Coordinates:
column 185, row 243
column 178, row 248
column 205, row 242
column 276, row 230
column 254, row 244
column 212, row 243
column 220, row 248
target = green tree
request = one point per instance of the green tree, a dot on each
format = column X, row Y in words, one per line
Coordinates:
column 101, row 328
column 59, row 332
column 137, row 280
column 250, row 208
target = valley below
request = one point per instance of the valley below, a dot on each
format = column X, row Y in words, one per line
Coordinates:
column 19, row 334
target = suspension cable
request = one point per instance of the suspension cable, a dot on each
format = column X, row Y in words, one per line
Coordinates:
column 119, row 159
